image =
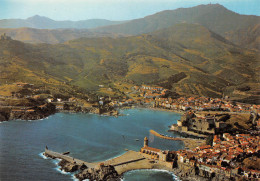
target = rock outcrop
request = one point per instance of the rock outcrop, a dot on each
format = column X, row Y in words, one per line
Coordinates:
column 4, row 114
column 34, row 113
column 188, row 174
column 101, row 173
column 67, row 166
column 105, row 111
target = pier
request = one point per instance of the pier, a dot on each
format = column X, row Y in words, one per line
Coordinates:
column 69, row 159
column 131, row 160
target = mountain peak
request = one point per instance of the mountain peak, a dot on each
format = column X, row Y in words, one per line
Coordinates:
column 214, row 6
column 37, row 17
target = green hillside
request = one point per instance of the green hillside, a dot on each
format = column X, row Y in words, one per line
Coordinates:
column 188, row 59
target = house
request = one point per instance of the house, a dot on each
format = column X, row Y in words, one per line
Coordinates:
column 50, row 100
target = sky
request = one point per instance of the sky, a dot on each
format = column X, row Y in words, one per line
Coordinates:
column 110, row 9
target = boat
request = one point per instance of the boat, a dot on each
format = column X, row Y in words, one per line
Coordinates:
column 136, row 139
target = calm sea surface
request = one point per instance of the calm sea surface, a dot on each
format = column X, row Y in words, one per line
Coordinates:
column 88, row 137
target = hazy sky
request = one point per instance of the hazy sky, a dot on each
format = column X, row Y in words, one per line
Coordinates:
column 110, row 9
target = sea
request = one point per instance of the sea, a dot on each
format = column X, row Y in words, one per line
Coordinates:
column 88, row 137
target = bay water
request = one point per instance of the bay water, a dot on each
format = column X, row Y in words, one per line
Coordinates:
column 87, row 136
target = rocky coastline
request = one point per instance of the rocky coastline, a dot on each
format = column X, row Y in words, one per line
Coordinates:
column 32, row 113
column 106, row 112
column 188, row 175
column 41, row 112
column 82, row 172
column 102, row 172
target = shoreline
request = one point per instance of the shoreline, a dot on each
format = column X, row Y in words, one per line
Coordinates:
column 167, row 110
column 189, row 143
column 38, row 116
column 140, row 163
column 149, row 166
column 160, row 109
column 128, row 161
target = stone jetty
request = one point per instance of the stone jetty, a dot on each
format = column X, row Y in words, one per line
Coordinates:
column 108, row 170
column 189, row 143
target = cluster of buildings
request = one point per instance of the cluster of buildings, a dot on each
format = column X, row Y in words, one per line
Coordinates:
column 149, row 92
column 204, row 104
column 123, row 102
column 224, row 158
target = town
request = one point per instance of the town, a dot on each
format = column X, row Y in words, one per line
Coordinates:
column 231, row 129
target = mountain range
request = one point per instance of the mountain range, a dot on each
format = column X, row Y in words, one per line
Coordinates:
column 52, row 36
column 234, row 27
column 41, row 22
column 185, row 56
column 242, row 30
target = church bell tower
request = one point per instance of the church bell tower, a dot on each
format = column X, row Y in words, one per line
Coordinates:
column 145, row 141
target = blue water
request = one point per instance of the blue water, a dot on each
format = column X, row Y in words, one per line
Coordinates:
column 87, row 136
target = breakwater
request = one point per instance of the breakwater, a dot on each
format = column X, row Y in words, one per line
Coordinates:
column 69, row 159
column 189, row 143
column 165, row 137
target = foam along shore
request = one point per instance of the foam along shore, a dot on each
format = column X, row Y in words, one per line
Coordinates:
column 109, row 169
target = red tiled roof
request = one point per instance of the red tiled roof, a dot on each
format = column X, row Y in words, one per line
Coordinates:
column 151, row 149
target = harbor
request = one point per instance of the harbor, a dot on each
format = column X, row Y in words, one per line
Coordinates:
column 88, row 137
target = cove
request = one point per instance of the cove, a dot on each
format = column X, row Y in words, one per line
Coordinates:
column 87, row 136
